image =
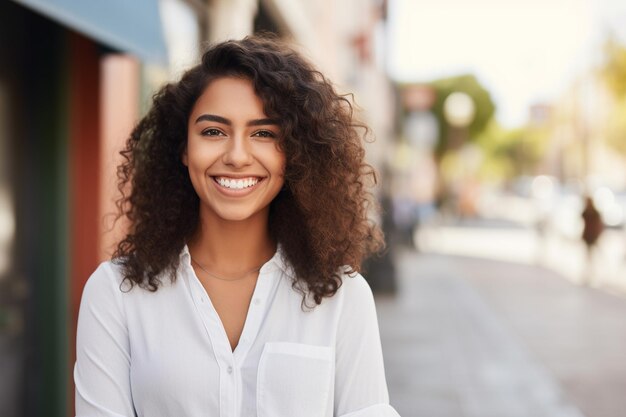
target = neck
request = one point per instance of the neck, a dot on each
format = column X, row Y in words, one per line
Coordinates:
column 232, row 247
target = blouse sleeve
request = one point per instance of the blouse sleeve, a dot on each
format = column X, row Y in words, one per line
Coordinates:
column 360, row 386
column 101, row 372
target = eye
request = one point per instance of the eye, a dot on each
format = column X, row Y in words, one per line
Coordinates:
column 264, row 134
column 211, row 131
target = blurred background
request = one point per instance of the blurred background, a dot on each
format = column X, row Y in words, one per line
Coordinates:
column 500, row 140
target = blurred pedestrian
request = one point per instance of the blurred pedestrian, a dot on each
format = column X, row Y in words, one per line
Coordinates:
column 592, row 229
column 236, row 290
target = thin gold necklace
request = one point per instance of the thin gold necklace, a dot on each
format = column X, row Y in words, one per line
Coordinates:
column 255, row 269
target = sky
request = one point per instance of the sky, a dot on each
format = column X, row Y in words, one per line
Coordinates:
column 523, row 51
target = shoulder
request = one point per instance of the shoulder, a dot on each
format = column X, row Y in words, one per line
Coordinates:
column 355, row 294
column 353, row 290
column 354, row 286
column 105, row 283
column 357, row 307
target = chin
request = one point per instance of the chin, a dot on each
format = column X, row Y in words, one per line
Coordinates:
column 236, row 215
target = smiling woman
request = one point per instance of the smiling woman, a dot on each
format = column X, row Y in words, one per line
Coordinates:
column 236, row 291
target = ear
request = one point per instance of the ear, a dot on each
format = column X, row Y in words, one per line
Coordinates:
column 183, row 157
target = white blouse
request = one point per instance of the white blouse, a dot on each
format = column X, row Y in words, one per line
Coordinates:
column 166, row 353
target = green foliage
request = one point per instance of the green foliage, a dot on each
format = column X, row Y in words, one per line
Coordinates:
column 510, row 152
column 613, row 72
column 616, row 127
column 614, row 68
column 469, row 85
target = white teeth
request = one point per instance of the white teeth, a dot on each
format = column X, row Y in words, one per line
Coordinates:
column 237, row 184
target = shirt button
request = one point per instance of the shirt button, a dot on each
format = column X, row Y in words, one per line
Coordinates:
column 229, row 369
column 257, row 301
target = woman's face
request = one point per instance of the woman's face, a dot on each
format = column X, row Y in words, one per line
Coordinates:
column 232, row 152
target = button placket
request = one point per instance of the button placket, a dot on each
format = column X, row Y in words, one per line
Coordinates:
column 221, row 349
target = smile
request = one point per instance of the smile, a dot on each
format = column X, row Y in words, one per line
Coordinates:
column 237, row 183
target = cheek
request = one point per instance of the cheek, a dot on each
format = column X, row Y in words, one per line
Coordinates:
column 281, row 160
column 282, row 164
column 201, row 155
column 274, row 160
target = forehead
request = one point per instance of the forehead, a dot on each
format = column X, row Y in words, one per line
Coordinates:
column 228, row 94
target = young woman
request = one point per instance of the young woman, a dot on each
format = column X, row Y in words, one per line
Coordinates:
column 236, row 291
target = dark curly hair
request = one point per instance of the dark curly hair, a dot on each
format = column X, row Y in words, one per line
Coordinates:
column 320, row 218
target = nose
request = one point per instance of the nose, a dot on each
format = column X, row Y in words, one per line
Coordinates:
column 238, row 152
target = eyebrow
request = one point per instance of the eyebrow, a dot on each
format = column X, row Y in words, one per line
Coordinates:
column 225, row 121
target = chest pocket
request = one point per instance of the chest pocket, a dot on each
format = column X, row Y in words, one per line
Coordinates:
column 294, row 379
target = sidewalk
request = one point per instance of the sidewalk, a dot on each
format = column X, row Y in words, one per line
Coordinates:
column 476, row 338
column 565, row 255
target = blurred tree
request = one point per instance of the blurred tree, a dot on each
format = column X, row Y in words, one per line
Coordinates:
column 614, row 68
column 452, row 138
column 509, row 153
column 613, row 72
column 485, row 109
column 616, row 126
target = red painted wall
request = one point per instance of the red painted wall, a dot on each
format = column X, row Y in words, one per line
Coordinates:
column 84, row 132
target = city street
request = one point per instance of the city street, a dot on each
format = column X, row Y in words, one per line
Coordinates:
column 469, row 337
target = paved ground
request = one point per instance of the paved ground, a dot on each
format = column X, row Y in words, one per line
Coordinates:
column 476, row 338
column 510, row 242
